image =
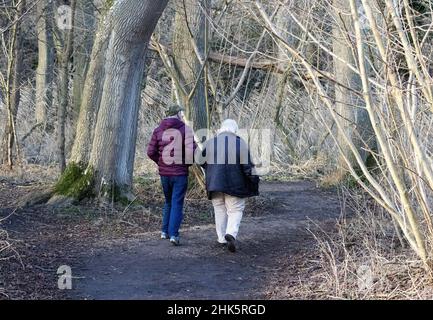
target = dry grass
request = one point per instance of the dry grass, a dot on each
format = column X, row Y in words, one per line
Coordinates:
column 363, row 258
column 313, row 168
column 360, row 257
column 5, row 247
column 26, row 173
column 332, row 179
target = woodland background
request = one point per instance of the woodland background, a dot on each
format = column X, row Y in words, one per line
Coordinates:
column 345, row 86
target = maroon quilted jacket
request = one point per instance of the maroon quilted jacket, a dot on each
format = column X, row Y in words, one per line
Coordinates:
column 172, row 147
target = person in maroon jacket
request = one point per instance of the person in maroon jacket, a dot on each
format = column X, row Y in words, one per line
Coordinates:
column 172, row 148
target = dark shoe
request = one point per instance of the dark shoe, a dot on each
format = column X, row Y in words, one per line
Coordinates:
column 220, row 245
column 174, row 241
column 231, row 242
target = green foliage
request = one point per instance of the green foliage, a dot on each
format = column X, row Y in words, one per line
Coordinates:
column 76, row 182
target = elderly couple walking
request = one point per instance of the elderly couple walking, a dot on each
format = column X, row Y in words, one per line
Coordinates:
column 228, row 170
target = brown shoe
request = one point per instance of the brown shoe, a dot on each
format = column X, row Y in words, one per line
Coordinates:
column 231, row 242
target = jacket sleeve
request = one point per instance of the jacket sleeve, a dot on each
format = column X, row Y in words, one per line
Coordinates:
column 245, row 158
column 152, row 148
column 247, row 166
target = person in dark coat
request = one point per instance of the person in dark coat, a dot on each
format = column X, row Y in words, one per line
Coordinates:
column 172, row 148
column 229, row 180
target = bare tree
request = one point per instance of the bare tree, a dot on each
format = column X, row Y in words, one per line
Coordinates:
column 349, row 106
column 65, row 54
column 46, row 55
column 85, row 22
column 403, row 183
column 12, row 82
column 91, row 95
column 189, row 43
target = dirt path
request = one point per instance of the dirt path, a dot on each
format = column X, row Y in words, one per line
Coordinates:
column 145, row 267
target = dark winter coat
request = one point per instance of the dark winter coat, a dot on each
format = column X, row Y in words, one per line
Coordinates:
column 172, row 147
column 232, row 174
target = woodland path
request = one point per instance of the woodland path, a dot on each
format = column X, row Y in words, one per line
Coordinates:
column 146, row 267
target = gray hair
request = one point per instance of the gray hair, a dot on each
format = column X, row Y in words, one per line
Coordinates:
column 229, row 125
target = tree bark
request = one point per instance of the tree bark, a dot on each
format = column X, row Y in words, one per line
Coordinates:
column 343, row 97
column 83, row 42
column 46, row 53
column 91, row 95
column 350, row 107
column 64, row 76
column 191, row 28
column 113, row 150
column 13, row 94
column 109, row 170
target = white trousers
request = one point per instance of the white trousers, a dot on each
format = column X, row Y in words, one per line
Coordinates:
column 228, row 214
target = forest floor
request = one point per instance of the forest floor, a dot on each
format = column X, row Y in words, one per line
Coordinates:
column 116, row 253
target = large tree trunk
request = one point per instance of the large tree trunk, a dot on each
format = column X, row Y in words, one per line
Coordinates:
column 191, row 28
column 14, row 73
column 344, row 75
column 113, row 151
column 46, row 53
column 349, row 106
column 110, row 167
column 91, row 95
column 64, row 76
column 83, row 43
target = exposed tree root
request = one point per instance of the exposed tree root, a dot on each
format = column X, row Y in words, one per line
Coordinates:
column 35, row 198
column 60, row 201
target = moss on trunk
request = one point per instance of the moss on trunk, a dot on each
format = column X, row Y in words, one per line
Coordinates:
column 77, row 181
column 115, row 193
